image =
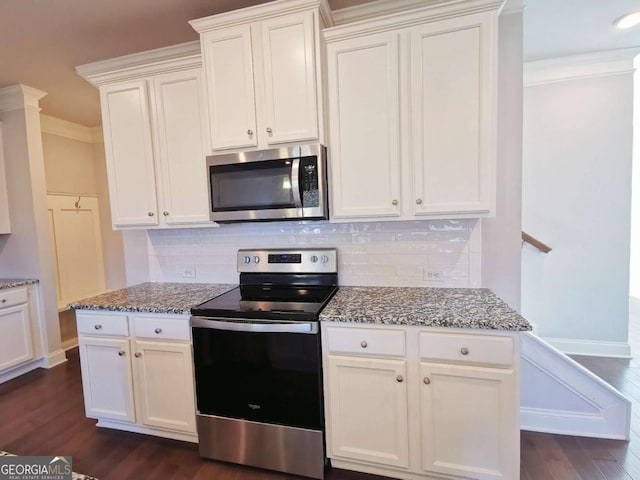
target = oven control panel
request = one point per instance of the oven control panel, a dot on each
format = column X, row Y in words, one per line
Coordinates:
column 300, row 260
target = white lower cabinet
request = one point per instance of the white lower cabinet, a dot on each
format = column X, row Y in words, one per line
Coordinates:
column 137, row 372
column 422, row 403
column 16, row 346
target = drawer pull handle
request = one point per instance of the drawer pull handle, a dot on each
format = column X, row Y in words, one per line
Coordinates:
column 137, row 354
column 158, row 330
column 426, row 380
column 363, row 344
column 399, row 379
column 464, row 351
column 97, row 327
column 121, row 353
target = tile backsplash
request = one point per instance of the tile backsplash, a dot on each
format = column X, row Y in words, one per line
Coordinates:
column 440, row 253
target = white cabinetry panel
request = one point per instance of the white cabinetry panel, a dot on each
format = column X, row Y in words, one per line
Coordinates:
column 128, row 145
column 5, row 224
column 107, row 382
column 15, row 335
column 228, row 63
column 181, row 120
column 363, row 84
column 467, row 421
column 368, row 405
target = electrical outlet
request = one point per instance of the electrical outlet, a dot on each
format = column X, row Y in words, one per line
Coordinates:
column 188, row 272
column 433, row 275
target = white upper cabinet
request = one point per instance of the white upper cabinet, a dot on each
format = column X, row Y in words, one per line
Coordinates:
column 262, row 67
column 364, row 126
column 126, row 122
column 412, row 107
column 154, row 121
column 5, row 225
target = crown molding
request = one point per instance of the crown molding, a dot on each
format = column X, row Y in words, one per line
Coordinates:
column 64, row 128
column 378, row 8
column 382, row 15
column 142, row 64
column 20, row 97
column 575, row 67
column 262, row 11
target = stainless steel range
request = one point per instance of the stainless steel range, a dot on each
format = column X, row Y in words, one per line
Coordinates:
column 258, row 362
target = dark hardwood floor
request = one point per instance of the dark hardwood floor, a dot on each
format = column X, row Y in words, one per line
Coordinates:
column 42, row 413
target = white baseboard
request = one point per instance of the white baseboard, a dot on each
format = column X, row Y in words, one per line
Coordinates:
column 69, row 344
column 21, row 370
column 590, row 347
column 157, row 432
column 53, row 359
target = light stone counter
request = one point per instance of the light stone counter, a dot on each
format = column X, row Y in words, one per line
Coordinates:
column 429, row 307
column 16, row 282
column 154, row 297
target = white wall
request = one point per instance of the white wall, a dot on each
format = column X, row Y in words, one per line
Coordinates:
column 576, row 198
column 384, row 253
column 501, row 235
column 634, row 277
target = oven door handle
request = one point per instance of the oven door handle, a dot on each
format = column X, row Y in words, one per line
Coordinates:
column 247, row 325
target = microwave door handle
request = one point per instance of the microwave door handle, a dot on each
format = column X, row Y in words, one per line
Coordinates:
column 295, row 182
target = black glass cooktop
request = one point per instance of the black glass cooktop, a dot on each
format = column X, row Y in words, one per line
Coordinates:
column 270, row 302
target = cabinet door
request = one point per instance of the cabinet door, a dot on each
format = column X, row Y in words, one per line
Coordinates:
column 453, row 103
column 106, row 378
column 15, row 336
column 5, row 226
column 290, row 78
column 129, row 152
column 228, row 62
column 368, row 410
column 364, row 112
column 181, row 126
column 164, row 378
column 470, row 424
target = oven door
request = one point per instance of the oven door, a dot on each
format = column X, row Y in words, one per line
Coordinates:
column 259, row 371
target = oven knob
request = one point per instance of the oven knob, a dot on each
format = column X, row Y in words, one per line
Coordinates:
column 247, row 259
column 256, row 259
column 314, row 258
column 324, row 259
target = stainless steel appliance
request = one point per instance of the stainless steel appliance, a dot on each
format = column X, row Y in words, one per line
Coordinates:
column 258, row 362
column 277, row 184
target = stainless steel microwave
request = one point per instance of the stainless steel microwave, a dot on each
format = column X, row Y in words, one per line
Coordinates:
column 287, row 183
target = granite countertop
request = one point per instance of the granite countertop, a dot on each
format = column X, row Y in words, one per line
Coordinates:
column 16, row 282
column 429, row 307
column 154, row 297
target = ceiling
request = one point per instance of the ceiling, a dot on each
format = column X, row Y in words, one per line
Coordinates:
column 43, row 40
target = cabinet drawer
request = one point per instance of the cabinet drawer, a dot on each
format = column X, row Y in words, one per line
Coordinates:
column 11, row 297
column 366, row 341
column 102, row 324
column 475, row 349
column 162, row 328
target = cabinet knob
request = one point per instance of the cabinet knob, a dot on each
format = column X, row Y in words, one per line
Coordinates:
column 269, row 130
column 399, row 379
column 4, row 300
column 137, row 354
column 395, row 202
column 151, row 214
column 158, row 330
column 165, row 213
column 97, row 327
column 464, row 351
column 363, row 344
column 419, row 201
column 249, row 132
column 121, row 353
column 426, row 380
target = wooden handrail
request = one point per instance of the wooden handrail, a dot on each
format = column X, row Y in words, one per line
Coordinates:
column 543, row 247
